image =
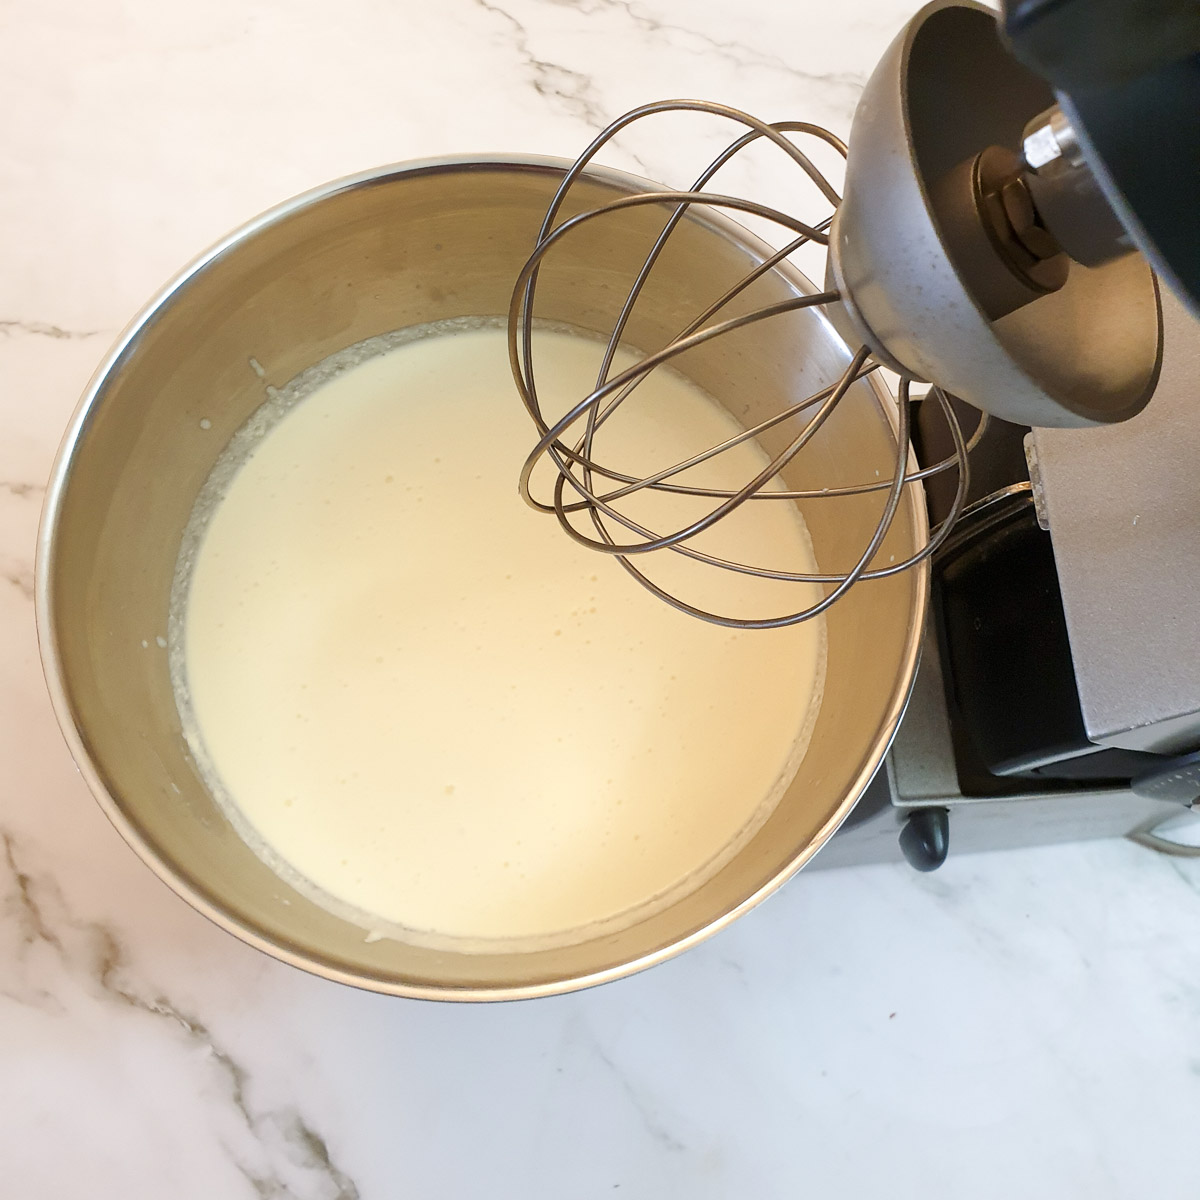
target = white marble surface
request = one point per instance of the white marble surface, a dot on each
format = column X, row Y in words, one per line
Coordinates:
column 1025, row 1023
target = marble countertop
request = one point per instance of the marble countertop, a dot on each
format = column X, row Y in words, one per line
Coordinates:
column 1024, row 1023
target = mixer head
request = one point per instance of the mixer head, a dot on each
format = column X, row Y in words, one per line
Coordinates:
column 981, row 247
column 966, row 197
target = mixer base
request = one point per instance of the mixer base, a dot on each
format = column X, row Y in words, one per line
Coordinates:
column 921, row 773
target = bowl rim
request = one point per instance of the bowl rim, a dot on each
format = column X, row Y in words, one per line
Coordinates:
column 175, row 878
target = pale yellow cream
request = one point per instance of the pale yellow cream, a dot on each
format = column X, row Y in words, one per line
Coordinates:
column 428, row 708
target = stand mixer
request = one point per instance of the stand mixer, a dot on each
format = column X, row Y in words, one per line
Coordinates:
column 1015, row 191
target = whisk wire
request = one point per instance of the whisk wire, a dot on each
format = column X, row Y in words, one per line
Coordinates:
column 666, row 541
column 596, row 418
column 576, row 469
column 757, row 129
column 550, row 442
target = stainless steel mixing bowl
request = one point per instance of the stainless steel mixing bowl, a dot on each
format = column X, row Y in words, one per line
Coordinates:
column 390, row 248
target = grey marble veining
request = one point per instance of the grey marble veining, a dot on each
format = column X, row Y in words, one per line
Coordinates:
column 57, row 961
column 572, row 91
column 42, row 329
